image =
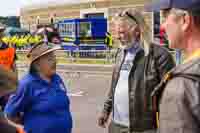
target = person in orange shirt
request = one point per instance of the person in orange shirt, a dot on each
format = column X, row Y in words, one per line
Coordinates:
column 7, row 63
column 7, row 60
column 7, row 54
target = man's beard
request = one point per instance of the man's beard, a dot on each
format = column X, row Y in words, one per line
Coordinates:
column 127, row 44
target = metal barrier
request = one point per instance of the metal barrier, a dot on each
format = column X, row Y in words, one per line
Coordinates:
column 88, row 56
column 80, row 56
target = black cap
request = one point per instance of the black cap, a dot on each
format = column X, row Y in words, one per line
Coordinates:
column 188, row 5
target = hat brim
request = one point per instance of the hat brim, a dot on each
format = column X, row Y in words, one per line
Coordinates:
column 46, row 52
column 157, row 6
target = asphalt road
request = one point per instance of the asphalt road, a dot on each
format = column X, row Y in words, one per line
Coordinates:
column 88, row 86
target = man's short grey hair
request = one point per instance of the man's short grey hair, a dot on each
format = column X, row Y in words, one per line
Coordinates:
column 178, row 12
column 195, row 16
column 135, row 17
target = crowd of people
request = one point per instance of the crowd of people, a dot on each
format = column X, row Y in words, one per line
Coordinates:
column 26, row 40
column 148, row 92
column 21, row 42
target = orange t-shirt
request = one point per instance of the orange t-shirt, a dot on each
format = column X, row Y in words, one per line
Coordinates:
column 7, row 58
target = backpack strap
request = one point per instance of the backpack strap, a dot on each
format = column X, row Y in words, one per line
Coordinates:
column 193, row 77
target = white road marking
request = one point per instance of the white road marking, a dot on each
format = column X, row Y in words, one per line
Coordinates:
column 76, row 94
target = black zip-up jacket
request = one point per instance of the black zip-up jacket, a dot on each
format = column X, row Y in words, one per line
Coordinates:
column 145, row 74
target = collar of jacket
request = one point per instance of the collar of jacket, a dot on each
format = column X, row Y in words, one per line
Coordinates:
column 190, row 67
column 121, row 56
column 134, row 48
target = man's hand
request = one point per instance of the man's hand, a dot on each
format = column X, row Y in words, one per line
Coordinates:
column 103, row 119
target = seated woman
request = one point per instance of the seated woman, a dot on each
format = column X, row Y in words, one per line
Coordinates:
column 41, row 96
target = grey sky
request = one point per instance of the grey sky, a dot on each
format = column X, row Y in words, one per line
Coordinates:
column 9, row 7
column 12, row 7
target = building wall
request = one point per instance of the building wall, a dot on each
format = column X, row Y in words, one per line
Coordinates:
column 30, row 15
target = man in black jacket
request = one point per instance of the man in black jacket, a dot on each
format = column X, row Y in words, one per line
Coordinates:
column 140, row 65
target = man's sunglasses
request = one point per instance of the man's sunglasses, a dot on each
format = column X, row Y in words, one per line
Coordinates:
column 126, row 13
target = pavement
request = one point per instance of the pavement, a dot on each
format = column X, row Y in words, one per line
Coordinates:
column 88, row 86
